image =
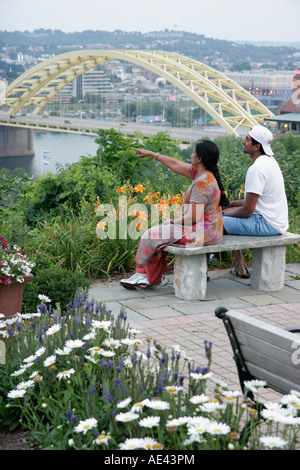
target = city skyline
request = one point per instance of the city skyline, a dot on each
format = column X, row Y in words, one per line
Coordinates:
column 262, row 20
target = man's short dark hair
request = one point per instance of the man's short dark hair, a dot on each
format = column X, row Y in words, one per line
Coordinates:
column 254, row 142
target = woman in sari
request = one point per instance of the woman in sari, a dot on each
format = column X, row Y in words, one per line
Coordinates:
column 200, row 222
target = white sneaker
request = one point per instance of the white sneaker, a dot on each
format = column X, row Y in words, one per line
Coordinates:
column 144, row 283
column 164, row 281
column 131, row 282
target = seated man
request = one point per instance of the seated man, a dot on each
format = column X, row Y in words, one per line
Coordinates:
column 264, row 211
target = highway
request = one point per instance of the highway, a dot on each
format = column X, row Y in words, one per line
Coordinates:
column 91, row 126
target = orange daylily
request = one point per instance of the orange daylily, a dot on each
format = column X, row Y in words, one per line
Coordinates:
column 122, row 189
column 101, row 225
column 149, row 198
column 139, row 188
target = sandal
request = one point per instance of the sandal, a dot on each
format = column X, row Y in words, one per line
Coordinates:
column 243, row 276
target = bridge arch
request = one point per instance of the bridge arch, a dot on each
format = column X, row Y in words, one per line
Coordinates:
column 228, row 103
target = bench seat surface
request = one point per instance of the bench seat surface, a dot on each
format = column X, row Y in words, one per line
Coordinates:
column 236, row 242
column 269, row 352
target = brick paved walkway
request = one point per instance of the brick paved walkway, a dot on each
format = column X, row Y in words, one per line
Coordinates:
column 159, row 314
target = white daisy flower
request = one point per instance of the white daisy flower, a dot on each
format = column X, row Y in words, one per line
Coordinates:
column 288, row 419
column 34, row 374
column 148, row 443
column 271, row 415
column 63, row 352
column 91, row 359
column 150, row 421
column 49, row 361
column 19, row 372
column 230, row 396
column 102, row 439
column 74, row 343
column 102, row 324
column 134, row 331
column 198, row 399
column 198, row 425
column 89, row 336
column 218, row 428
column 95, row 350
column 86, row 425
column 219, row 382
column 199, row 376
column 211, row 406
column 16, row 393
column 107, row 353
column 112, row 343
column 196, row 430
column 291, row 400
column 178, row 349
column 193, row 438
column 255, row 385
column 137, row 407
column 40, row 352
column 131, row 444
column 128, row 341
column 28, row 365
column 172, row 423
column 128, row 362
column 53, row 329
column 126, row 417
column 29, row 359
column 44, row 298
column 273, row 442
column 273, row 406
column 25, row 385
column 124, row 403
column 173, row 389
column 142, row 356
column 157, row 404
column 66, row 374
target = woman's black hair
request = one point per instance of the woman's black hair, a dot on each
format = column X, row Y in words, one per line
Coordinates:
column 209, row 152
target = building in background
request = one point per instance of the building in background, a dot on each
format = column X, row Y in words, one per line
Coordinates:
column 273, row 88
column 91, row 84
column 288, row 117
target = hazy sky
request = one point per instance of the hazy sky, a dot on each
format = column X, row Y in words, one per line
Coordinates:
column 255, row 20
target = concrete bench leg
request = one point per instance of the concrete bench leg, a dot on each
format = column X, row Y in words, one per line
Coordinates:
column 190, row 277
column 268, row 268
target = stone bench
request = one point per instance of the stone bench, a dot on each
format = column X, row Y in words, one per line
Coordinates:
column 268, row 263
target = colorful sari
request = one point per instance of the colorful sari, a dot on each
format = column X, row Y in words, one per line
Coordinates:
column 204, row 190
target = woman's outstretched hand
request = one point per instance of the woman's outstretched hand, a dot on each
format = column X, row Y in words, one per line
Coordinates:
column 143, row 152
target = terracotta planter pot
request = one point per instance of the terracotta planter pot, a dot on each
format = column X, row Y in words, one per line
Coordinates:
column 11, row 297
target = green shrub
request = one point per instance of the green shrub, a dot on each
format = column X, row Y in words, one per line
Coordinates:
column 59, row 284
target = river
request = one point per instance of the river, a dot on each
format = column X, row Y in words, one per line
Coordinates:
column 58, row 148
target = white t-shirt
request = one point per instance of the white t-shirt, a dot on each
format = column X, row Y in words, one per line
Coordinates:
column 264, row 177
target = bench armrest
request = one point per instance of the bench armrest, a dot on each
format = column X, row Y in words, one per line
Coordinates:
column 293, row 329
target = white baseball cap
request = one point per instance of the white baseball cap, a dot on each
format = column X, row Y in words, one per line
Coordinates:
column 262, row 135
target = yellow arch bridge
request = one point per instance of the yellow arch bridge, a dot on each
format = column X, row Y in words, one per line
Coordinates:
column 230, row 105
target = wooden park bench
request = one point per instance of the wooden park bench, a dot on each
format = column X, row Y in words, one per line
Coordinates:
column 268, row 263
column 262, row 352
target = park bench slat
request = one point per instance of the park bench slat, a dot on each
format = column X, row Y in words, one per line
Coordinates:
column 283, row 385
column 263, row 351
column 277, row 352
column 275, row 371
